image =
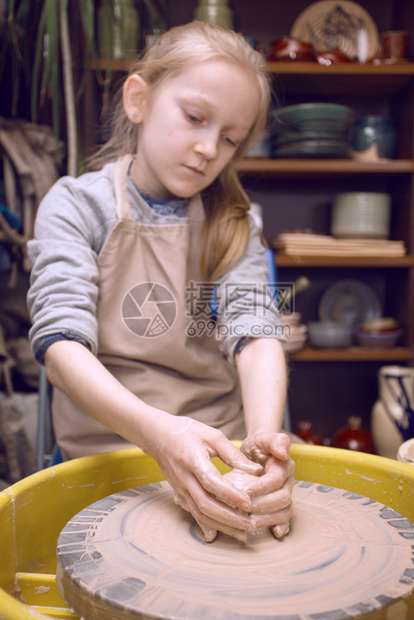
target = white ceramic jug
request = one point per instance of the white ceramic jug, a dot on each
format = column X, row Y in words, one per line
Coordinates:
column 406, row 452
column 392, row 418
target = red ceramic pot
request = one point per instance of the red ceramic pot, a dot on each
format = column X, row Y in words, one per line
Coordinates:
column 305, row 432
column 289, row 49
column 353, row 437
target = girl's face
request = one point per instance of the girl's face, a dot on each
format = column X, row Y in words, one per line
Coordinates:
column 191, row 127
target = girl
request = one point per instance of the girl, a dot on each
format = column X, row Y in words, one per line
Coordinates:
column 125, row 260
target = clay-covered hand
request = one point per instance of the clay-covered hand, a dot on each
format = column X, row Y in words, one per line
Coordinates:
column 271, row 493
column 184, row 455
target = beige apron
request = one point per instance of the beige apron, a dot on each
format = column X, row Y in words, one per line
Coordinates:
column 143, row 319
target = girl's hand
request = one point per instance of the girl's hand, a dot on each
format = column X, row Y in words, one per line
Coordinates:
column 185, row 456
column 183, row 447
column 271, row 493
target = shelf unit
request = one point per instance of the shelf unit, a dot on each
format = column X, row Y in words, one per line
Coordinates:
column 387, row 88
column 327, row 386
column 341, row 79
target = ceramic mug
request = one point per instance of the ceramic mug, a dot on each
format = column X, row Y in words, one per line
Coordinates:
column 215, row 11
column 395, row 45
column 364, row 215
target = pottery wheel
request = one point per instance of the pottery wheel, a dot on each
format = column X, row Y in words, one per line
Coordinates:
column 135, row 554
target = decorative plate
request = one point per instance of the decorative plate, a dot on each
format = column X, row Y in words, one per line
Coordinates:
column 340, row 24
column 349, row 301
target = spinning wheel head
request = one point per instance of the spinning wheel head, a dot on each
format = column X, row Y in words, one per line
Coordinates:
column 136, row 554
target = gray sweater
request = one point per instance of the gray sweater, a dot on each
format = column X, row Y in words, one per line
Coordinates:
column 72, row 225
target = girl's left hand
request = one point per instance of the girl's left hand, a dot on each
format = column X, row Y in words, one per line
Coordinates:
column 271, row 493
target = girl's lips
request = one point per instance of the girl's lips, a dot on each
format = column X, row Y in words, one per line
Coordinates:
column 195, row 171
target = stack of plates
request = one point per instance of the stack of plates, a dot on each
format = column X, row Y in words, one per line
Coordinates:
column 296, row 333
column 311, row 244
column 312, row 130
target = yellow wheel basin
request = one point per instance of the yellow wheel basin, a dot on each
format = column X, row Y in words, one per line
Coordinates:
column 34, row 511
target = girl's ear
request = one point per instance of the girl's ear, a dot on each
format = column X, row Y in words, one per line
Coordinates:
column 134, row 97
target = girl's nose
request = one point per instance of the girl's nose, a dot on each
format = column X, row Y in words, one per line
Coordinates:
column 207, row 146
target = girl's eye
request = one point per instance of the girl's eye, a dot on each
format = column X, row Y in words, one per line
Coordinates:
column 229, row 141
column 193, row 118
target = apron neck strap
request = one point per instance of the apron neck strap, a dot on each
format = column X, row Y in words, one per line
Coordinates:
column 123, row 206
column 195, row 211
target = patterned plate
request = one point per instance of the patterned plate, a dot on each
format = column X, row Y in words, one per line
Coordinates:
column 338, row 24
column 349, row 301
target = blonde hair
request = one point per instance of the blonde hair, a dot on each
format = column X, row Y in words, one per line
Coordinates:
column 226, row 228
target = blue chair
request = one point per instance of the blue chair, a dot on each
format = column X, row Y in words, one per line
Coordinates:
column 47, row 451
column 273, row 280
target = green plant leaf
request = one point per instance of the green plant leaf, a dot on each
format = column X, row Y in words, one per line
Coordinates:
column 87, row 14
column 156, row 18
column 37, row 63
column 38, row 60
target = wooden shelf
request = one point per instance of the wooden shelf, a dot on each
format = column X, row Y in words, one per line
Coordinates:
column 335, row 80
column 343, row 79
column 284, row 260
column 403, row 69
column 322, row 167
column 352, row 354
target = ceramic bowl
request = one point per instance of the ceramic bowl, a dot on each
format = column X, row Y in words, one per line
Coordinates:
column 296, row 340
column 317, row 149
column 329, row 334
column 321, row 117
column 378, row 339
column 290, row 318
column 380, row 324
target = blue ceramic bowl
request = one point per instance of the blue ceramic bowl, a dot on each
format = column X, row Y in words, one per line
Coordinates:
column 313, row 117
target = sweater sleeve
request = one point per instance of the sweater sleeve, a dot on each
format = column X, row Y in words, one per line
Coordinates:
column 247, row 305
column 71, row 225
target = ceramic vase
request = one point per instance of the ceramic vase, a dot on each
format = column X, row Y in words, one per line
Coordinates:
column 373, row 137
column 353, row 437
column 304, row 431
column 118, row 30
column 215, row 11
column 392, row 418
